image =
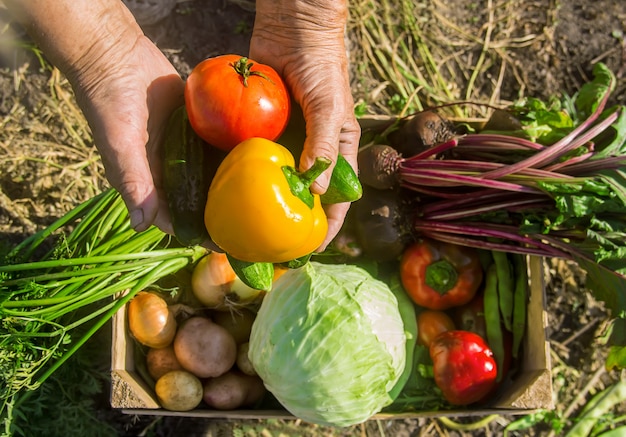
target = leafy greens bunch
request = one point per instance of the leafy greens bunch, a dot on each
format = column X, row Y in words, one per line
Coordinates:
column 58, row 287
column 555, row 186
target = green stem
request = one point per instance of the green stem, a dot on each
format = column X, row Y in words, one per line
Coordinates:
column 300, row 182
column 162, row 270
column 482, row 423
column 441, row 276
column 31, row 243
column 243, row 67
column 92, row 231
column 73, row 262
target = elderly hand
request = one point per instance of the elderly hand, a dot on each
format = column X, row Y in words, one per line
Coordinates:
column 304, row 41
column 127, row 98
column 125, row 86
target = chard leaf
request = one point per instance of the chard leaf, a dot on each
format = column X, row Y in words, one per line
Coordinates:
column 591, row 94
column 545, row 123
column 615, row 144
column 616, row 180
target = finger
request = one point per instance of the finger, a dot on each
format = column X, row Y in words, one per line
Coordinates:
column 322, row 136
column 349, row 140
column 128, row 171
column 335, row 214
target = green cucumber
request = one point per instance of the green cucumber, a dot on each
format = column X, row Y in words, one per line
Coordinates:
column 186, row 178
column 344, row 184
column 257, row 275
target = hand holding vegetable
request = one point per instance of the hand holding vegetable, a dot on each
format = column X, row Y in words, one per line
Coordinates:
column 123, row 83
column 311, row 58
column 127, row 88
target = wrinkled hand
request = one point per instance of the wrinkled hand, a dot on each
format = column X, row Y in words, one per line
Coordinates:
column 125, row 86
column 304, row 41
column 127, row 98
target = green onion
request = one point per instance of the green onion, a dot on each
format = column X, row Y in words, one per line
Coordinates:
column 92, row 264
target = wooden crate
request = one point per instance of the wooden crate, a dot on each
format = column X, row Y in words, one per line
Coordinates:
column 531, row 389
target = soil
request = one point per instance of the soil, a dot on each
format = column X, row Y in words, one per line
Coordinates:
column 49, row 163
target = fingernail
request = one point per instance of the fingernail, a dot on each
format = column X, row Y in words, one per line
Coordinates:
column 136, row 219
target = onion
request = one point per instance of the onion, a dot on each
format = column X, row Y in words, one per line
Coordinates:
column 150, row 320
column 216, row 286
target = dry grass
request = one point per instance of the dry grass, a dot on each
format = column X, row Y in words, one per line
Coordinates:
column 49, row 163
column 429, row 53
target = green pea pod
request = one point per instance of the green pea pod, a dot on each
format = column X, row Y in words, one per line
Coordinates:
column 520, row 302
column 493, row 323
column 344, row 184
column 257, row 275
column 505, row 287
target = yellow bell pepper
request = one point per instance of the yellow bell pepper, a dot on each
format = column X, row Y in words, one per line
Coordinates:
column 260, row 209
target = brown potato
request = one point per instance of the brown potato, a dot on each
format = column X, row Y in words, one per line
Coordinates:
column 232, row 390
column 159, row 361
column 204, row 348
column 243, row 362
column 179, row 390
column 256, row 390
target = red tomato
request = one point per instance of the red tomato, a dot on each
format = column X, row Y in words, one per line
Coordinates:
column 464, row 367
column 230, row 98
column 440, row 275
column 431, row 323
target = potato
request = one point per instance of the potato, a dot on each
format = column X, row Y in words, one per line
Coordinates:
column 232, row 390
column 256, row 390
column 204, row 348
column 159, row 361
column 237, row 322
column 243, row 362
column 179, row 390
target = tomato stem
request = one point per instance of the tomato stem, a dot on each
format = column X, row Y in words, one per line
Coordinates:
column 243, row 67
column 441, row 276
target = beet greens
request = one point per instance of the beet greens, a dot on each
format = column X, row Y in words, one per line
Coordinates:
column 555, row 188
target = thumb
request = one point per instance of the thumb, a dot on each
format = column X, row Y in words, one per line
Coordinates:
column 128, row 171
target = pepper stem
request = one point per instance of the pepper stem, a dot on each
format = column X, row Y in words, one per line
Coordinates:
column 441, row 276
column 300, row 182
column 243, row 67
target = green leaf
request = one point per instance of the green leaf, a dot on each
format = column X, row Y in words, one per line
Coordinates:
column 255, row 275
column 543, row 122
column 591, row 94
column 613, row 141
column 607, row 286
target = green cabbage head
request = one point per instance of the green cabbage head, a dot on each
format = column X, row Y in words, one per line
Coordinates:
column 329, row 343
